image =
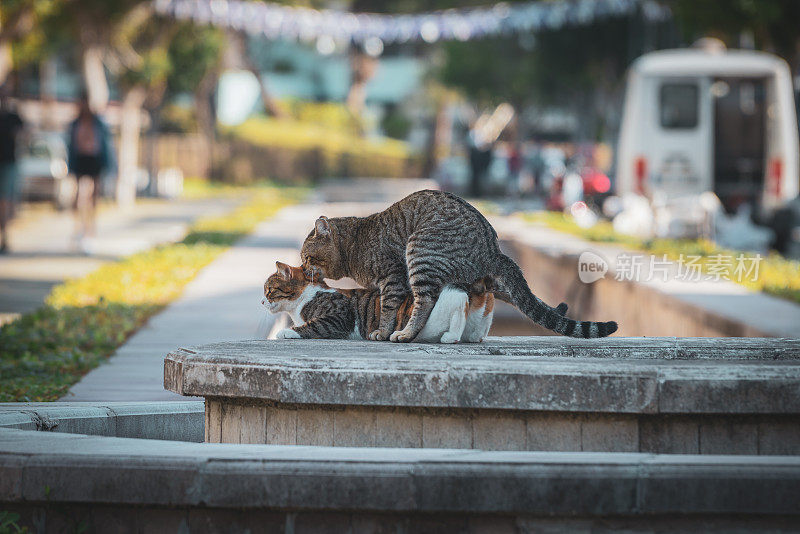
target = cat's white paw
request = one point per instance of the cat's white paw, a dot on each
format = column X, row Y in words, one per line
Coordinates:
column 287, row 333
column 400, row 336
column 449, row 337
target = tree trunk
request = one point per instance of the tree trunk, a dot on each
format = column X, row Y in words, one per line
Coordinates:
column 362, row 68
column 129, row 129
column 94, row 77
column 6, row 62
column 440, row 138
column 206, row 122
column 239, row 42
column 47, row 93
column 154, row 103
column 271, row 106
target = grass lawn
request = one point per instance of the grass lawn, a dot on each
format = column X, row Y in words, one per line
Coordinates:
column 84, row 320
column 777, row 275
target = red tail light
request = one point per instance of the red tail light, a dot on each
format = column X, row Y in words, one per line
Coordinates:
column 640, row 174
column 774, row 177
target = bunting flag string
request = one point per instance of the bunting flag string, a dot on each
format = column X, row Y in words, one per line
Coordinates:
column 277, row 21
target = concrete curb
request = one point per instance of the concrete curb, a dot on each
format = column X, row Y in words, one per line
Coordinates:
column 67, row 468
column 177, row 421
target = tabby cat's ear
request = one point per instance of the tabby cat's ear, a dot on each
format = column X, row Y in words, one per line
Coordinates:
column 322, row 227
column 284, row 270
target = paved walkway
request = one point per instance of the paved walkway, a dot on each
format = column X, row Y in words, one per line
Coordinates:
column 42, row 252
column 223, row 303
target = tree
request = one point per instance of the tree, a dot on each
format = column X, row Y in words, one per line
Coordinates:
column 772, row 23
column 580, row 68
column 19, row 26
column 195, row 57
column 141, row 43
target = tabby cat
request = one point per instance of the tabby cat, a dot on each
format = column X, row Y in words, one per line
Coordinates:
column 321, row 312
column 422, row 244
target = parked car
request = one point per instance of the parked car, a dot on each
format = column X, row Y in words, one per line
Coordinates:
column 710, row 120
column 43, row 170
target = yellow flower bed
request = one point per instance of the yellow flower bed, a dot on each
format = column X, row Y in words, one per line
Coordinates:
column 777, row 275
column 84, row 320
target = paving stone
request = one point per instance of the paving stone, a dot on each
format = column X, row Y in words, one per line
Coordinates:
column 498, row 432
column 610, row 434
column 354, row 428
column 254, row 424
column 234, row 521
column 669, row 435
column 729, row 436
column 779, row 437
column 321, row 523
column 231, row 423
column 315, row 427
column 446, row 431
column 398, row 429
column 553, row 432
column 281, row 426
column 214, row 426
column 11, row 483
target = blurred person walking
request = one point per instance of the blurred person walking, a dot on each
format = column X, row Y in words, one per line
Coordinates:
column 515, row 169
column 480, row 157
column 10, row 127
column 89, row 156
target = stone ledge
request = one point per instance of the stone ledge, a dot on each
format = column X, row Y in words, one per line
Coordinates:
column 612, row 375
column 54, row 468
column 182, row 421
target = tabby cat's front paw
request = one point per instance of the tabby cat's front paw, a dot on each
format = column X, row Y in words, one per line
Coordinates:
column 400, row 336
column 377, row 335
column 287, row 333
column 449, row 337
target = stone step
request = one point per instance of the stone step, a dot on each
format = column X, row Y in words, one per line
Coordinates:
column 361, row 489
column 175, row 421
column 663, row 395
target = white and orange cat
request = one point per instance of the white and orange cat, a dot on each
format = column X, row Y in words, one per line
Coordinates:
column 321, row 312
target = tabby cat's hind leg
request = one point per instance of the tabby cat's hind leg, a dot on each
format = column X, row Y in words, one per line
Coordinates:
column 425, row 258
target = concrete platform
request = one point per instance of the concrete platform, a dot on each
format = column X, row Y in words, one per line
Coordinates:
column 117, row 481
column 612, row 375
column 665, row 395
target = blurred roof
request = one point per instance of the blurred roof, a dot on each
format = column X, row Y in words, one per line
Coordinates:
column 690, row 61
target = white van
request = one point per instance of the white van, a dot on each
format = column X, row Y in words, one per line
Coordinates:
column 710, row 119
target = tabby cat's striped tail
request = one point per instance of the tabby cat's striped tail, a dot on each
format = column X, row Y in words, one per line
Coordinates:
column 513, row 283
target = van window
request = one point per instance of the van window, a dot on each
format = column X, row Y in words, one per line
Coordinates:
column 679, row 105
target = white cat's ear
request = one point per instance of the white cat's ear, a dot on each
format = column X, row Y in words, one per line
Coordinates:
column 284, row 270
column 322, row 226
